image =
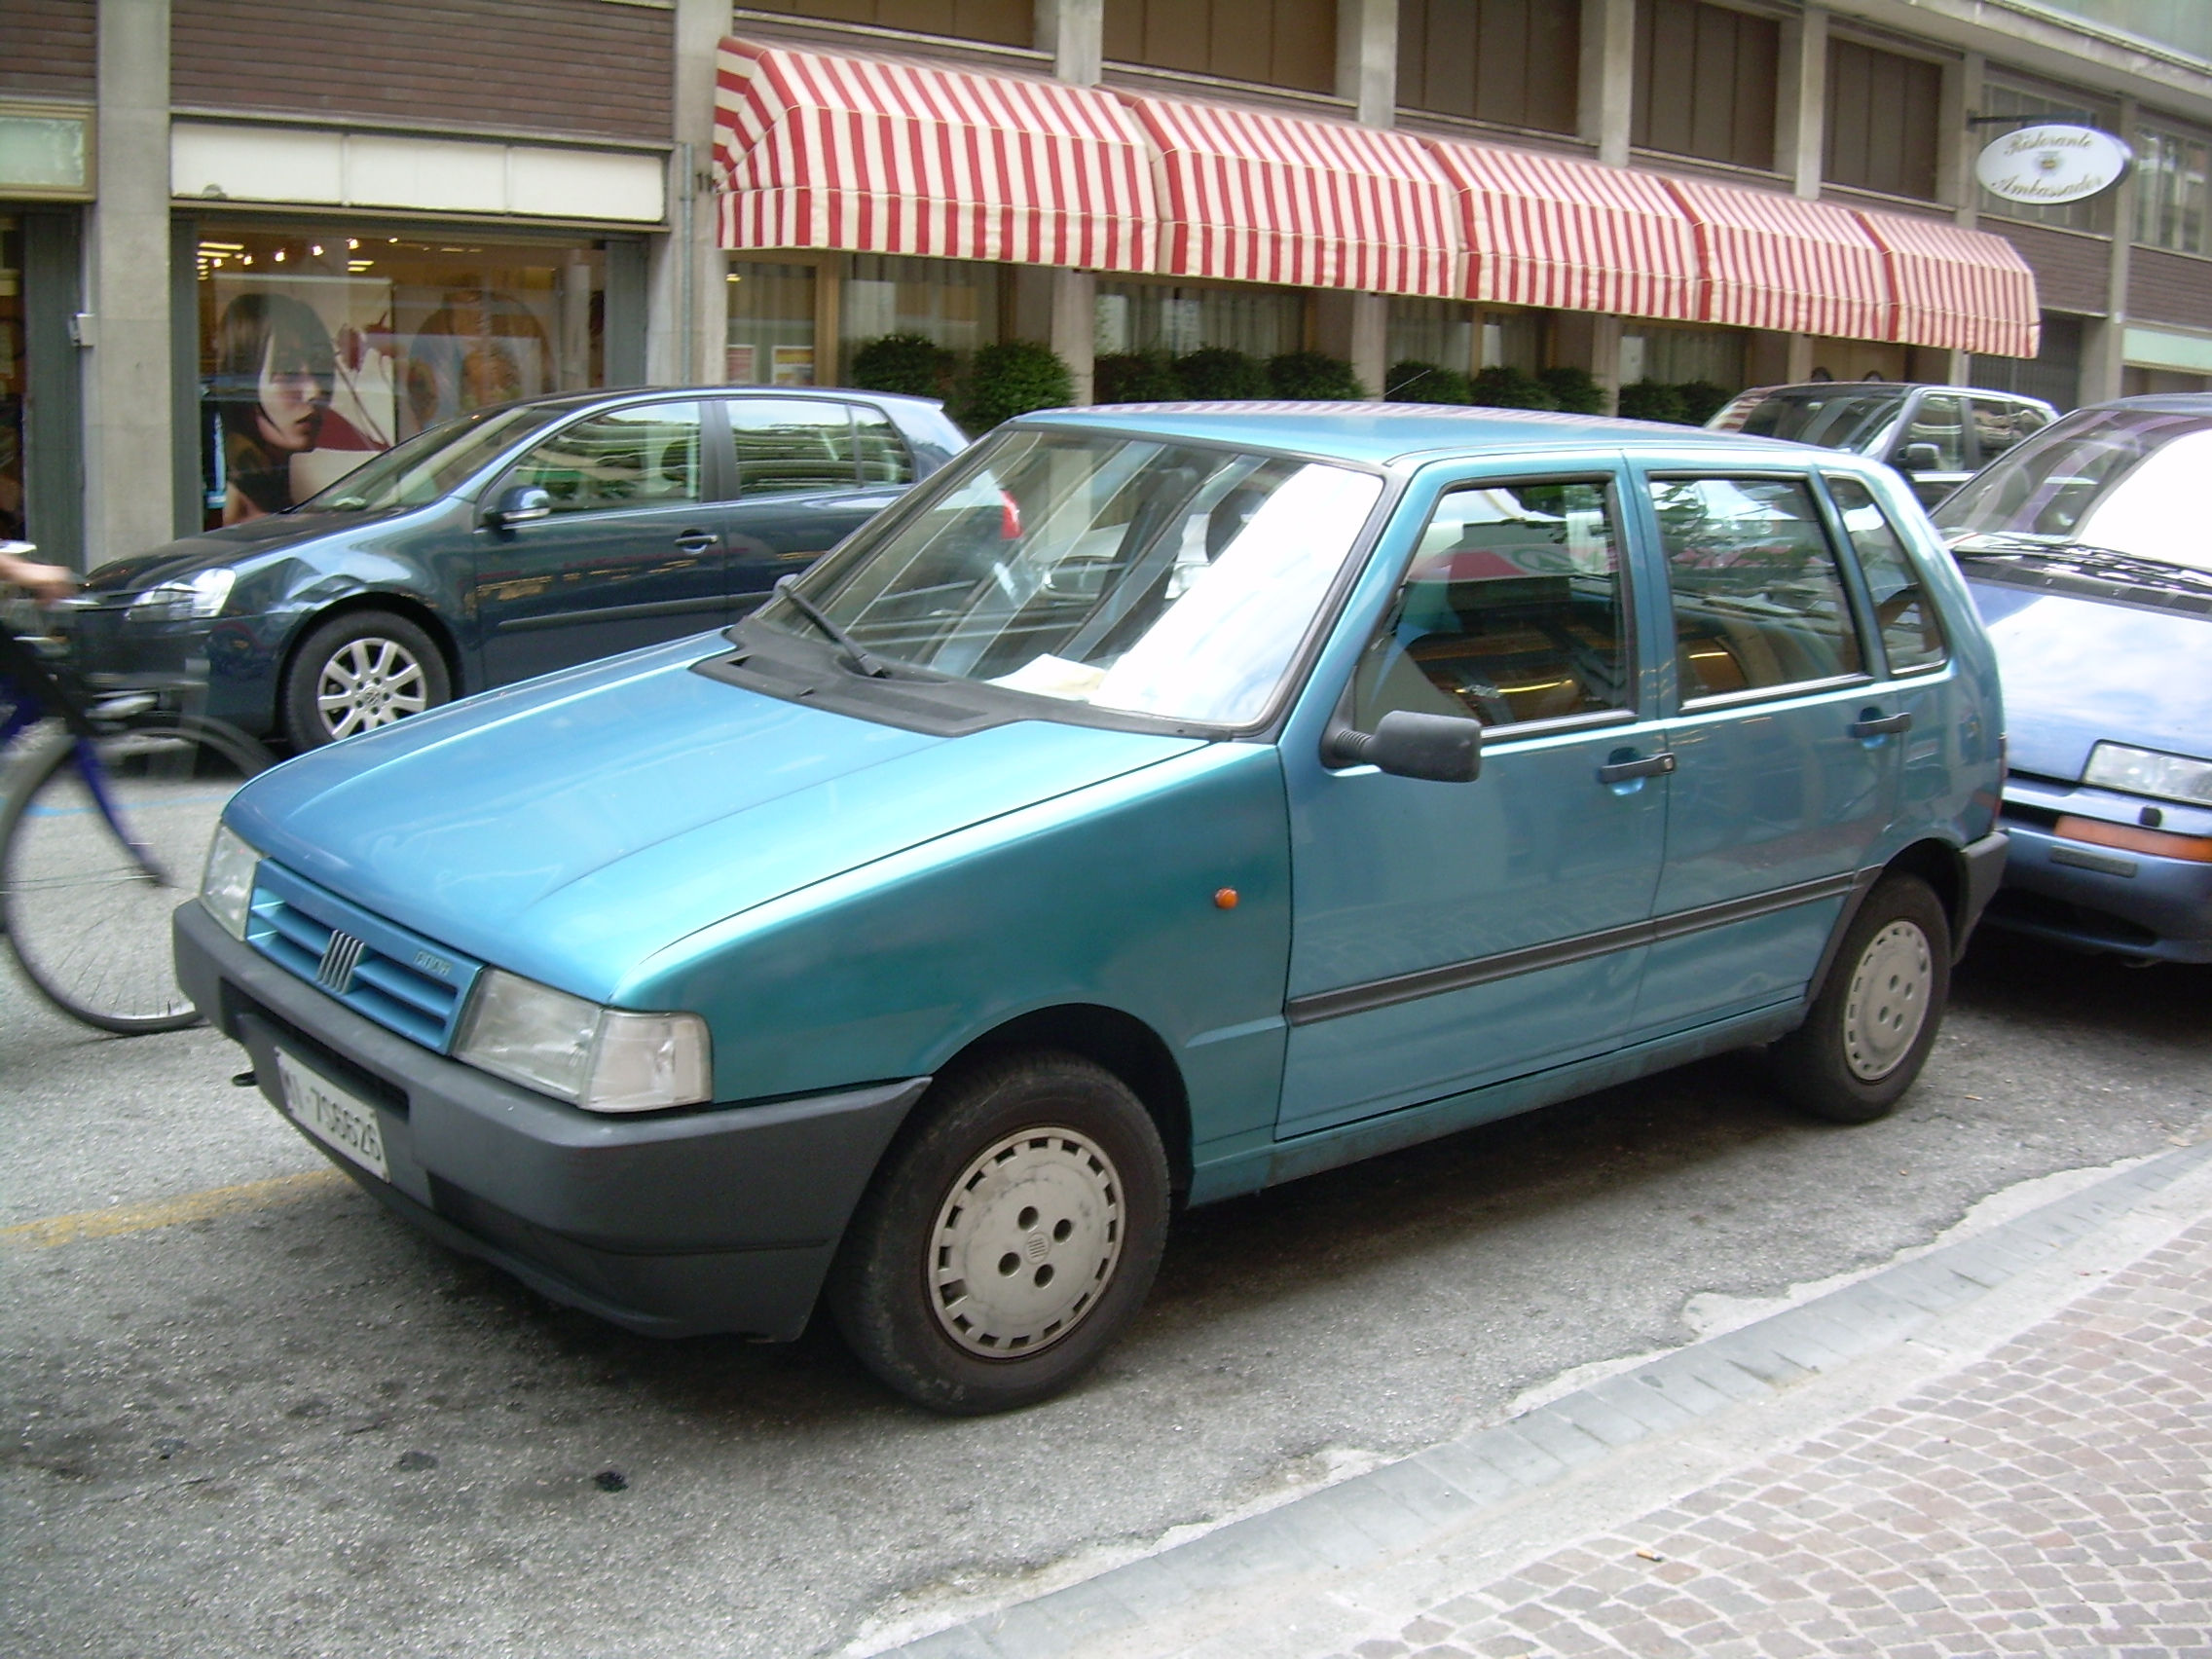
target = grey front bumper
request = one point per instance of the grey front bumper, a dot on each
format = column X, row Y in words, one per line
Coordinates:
column 671, row 1224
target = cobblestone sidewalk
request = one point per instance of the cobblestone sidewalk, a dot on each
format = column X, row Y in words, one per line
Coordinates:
column 2052, row 1498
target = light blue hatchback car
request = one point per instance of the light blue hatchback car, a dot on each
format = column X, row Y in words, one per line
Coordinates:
column 1158, row 804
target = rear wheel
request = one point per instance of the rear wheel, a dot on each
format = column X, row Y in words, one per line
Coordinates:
column 1012, row 1233
column 85, row 915
column 360, row 671
column 1876, row 1017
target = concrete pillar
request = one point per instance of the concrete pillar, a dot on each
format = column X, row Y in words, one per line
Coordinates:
column 1800, row 360
column 1074, row 32
column 2104, row 356
column 687, row 299
column 1609, row 77
column 1957, row 143
column 1801, row 99
column 1355, row 327
column 1591, row 339
column 130, row 430
column 1074, row 306
column 1367, row 58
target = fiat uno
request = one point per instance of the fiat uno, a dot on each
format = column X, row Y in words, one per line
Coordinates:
column 1158, row 804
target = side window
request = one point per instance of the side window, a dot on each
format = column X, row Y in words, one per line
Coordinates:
column 1911, row 636
column 883, row 452
column 789, row 444
column 642, row 457
column 1512, row 609
column 1938, row 420
column 1999, row 425
column 1758, row 599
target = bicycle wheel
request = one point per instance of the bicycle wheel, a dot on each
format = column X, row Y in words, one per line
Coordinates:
column 88, row 924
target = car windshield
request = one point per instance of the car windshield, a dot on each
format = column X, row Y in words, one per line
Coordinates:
column 1845, row 417
column 1134, row 575
column 2127, row 480
column 432, row 464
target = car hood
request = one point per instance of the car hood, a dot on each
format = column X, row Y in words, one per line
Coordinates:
column 570, row 827
column 230, row 545
column 2077, row 671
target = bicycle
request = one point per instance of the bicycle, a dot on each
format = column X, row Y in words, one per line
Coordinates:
column 105, row 826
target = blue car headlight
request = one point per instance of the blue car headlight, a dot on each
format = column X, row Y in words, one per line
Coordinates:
column 187, row 599
column 226, row 884
column 2150, row 772
column 604, row 1060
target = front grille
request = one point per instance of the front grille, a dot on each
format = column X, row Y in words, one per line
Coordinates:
column 396, row 978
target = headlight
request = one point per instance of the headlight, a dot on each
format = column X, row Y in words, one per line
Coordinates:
column 2147, row 772
column 187, row 599
column 604, row 1060
column 226, row 885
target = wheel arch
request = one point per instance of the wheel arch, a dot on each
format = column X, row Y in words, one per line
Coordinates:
column 1940, row 864
column 1121, row 1043
column 402, row 604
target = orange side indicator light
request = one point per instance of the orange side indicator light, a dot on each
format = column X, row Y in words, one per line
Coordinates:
column 2159, row 843
column 1225, row 897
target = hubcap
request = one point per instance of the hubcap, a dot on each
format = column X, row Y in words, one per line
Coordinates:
column 369, row 682
column 1026, row 1244
column 1888, row 1002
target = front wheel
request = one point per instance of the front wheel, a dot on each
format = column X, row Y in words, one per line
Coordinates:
column 1870, row 1028
column 1012, row 1233
column 359, row 671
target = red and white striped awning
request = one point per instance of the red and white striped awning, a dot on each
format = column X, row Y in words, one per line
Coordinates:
column 1261, row 198
column 1782, row 262
column 879, row 155
column 1549, row 231
column 1964, row 289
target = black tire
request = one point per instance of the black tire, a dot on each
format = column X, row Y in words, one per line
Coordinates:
column 87, row 925
column 359, row 671
column 1870, row 1028
column 1067, row 1177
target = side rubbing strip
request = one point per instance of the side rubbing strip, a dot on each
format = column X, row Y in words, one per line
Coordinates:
column 1482, row 970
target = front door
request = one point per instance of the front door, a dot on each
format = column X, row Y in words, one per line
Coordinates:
column 631, row 553
column 1451, row 935
column 1786, row 749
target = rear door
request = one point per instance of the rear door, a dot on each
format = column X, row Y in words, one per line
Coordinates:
column 809, row 472
column 631, row 553
column 1785, row 746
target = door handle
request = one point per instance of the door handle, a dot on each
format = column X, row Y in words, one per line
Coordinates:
column 1872, row 724
column 696, row 540
column 1637, row 766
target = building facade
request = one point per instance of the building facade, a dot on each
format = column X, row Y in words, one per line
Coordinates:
column 246, row 243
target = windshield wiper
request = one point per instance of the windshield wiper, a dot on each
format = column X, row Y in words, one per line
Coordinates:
column 855, row 653
column 2085, row 557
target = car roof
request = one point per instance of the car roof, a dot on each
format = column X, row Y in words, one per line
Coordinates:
column 627, row 393
column 2163, row 404
column 1836, row 386
column 1382, row 434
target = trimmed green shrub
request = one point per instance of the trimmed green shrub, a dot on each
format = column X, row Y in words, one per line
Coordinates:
column 1413, row 382
column 1314, row 377
column 1505, row 387
column 1219, row 372
column 1574, row 391
column 1702, row 400
column 1136, row 377
column 1012, row 378
column 903, row 362
column 1652, row 401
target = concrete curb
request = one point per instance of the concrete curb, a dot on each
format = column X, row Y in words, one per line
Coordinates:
column 1317, row 1574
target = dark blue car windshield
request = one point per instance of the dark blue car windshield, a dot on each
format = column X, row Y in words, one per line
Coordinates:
column 432, row 464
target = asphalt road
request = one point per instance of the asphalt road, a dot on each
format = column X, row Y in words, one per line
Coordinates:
column 249, row 1413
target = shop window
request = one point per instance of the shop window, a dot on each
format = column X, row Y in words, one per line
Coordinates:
column 1681, row 355
column 1432, row 331
column 1882, row 111
column 319, row 346
column 1171, row 317
column 2170, row 170
column 1512, row 62
column 954, row 303
column 2053, row 374
column 1705, row 81
column 770, row 332
column 2032, row 107
column 1275, row 43
column 1004, row 22
column 1513, row 340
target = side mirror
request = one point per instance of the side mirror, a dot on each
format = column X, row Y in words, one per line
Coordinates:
column 1444, row 749
column 520, row 506
column 1921, row 457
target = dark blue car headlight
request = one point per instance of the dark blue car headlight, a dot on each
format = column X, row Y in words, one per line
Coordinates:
column 187, row 599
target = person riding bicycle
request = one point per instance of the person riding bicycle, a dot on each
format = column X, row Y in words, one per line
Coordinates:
column 46, row 582
column 20, row 667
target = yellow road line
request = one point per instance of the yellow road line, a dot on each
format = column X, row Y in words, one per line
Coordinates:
column 168, row 1212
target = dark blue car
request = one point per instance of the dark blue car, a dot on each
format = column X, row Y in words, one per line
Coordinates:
column 506, row 544
column 2089, row 553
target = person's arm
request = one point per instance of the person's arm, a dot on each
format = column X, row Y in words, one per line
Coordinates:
column 39, row 582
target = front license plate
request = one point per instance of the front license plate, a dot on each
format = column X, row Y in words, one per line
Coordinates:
column 330, row 1114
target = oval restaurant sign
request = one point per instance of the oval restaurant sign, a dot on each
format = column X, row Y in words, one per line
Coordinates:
column 2051, row 163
